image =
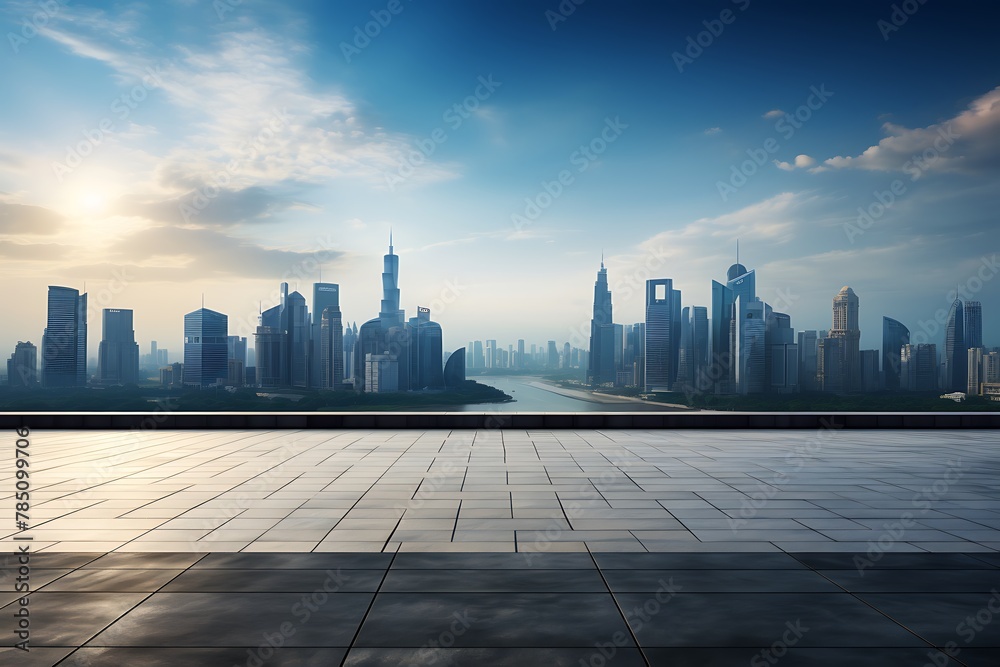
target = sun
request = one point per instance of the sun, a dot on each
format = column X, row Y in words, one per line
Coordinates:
column 93, row 203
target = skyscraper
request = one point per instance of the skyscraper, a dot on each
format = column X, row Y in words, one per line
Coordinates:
column 846, row 329
column 663, row 332
column 918, row 367
column 22, row 367
column 601, row 362
column 387, row 333
column 520, row 354
column 722, row 314
column 206, row 348
column 237, row 349
column 782, row 359
column 350, row 340
column 975, row 364
column 685, row 356
column 325, row 296
column 552, row 355
column 426, row 351
column 956, row 354
column 64, row 343
column 894, row 337
column 454, row 369
column 330, row 349
column 748, row 348
column 973, row 324
column 118, row 354
column 808, row 342
column 699, row 343
column 869, row 370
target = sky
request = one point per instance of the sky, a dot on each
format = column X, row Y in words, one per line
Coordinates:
column 163, row 153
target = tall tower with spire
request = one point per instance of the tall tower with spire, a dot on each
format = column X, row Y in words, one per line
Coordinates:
column 601, row 366
column 390, row 313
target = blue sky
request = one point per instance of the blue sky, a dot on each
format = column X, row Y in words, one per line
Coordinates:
column 320, row 142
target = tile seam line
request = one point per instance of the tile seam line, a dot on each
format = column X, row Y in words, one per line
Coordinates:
column 127, row 612
column 357, row 633
column 877, row 610
column 621, row 612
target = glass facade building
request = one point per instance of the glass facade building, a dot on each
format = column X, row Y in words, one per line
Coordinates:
column 64, row 343
column 206, row 348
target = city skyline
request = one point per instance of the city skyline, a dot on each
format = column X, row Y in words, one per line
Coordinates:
column 873, row 181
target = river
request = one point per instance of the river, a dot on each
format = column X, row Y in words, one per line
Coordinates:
column 532, row 394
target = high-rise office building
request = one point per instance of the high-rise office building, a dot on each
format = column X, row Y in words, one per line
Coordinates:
column 719, row 365
column 330, row 349
column 918, row 368
column 22, row 367
column 846, row 329
column 748, row 350
column 808, row 344
column 552, row 355
column 118, row 353
column 991, row 367
column 685, row 354
column 520, row 354
column 975, row 365
column 830, row 353
column 269, row 347
column 381, row 373
column 973, row 324
column 454, row 369
column 426, row 351
column 325, row 296
column 491, row 354
column 782, row 358
column 350, row 341
column 663, row 332
column 64, row 343
column 601, row 363
column 700, row 346
column 894, row 337
column 869, row 370
column 206, row 348
column 237, row 349
column 956, row 354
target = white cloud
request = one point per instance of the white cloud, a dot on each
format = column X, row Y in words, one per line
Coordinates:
column 968, row 142
column 713, row 130
column 773, row 113
column 800, row 162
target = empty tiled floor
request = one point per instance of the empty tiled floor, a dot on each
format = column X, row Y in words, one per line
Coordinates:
column 506, row 491
column 510, row 609
column 247, row 548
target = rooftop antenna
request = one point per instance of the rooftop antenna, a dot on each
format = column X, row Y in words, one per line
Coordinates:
column 202, row 299
column 737, row 251
column 602, row 258
column 390, row 240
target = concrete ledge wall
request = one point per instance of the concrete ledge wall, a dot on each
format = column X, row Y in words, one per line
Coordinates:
column 510, row 420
